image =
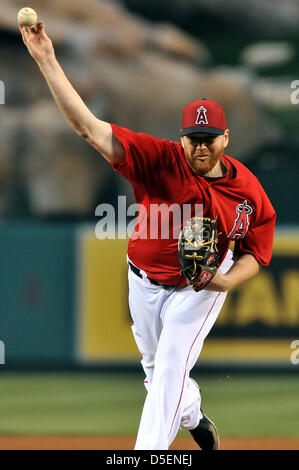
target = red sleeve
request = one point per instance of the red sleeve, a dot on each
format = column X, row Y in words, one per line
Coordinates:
column 145, row 155
column 259, row 239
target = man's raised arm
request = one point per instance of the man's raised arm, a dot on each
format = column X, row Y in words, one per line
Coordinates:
column 97, row 133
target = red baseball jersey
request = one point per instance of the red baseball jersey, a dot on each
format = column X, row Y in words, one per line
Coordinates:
column 160, row 175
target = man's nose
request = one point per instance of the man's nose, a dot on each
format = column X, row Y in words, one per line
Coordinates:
column 201, row 143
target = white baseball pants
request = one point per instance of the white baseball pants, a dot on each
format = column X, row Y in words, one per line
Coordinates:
column 169, row 328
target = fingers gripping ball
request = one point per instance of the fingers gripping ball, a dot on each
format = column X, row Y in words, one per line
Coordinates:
column 197, row 251
column 27, row 16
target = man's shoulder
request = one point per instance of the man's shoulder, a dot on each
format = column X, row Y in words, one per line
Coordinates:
column 174, row 145
column 144, row 137
column 246, row 181
column 241, row 169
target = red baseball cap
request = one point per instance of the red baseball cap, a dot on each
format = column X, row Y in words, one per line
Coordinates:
column 203, row 117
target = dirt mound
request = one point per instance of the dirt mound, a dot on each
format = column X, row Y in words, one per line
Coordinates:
column 127, row 443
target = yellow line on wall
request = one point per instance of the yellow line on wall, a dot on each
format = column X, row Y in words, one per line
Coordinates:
column 247, row 349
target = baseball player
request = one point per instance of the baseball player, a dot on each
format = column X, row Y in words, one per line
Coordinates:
column 174, row 305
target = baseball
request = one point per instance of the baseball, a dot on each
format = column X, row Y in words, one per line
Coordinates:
column 27, row 16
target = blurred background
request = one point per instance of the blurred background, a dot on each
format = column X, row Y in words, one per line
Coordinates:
column 63, row 292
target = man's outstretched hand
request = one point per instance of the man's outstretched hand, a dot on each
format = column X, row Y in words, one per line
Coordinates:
column 37, row 41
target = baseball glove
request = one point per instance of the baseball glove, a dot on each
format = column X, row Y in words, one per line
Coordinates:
column 197, row 251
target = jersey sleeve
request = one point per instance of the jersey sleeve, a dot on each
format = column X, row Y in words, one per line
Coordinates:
column 146, row 156
column 259, row 239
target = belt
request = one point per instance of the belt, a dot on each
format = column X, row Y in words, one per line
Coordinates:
column 152, row 281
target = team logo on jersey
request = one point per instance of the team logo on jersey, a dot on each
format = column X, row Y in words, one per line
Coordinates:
column 201, row 116
column 242, row 222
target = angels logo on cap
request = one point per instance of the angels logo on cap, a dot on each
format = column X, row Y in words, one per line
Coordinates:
column 203, row 116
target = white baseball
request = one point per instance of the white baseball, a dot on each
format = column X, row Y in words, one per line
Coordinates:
column 27, row 16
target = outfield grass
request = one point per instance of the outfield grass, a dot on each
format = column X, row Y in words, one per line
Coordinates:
column 98, row 403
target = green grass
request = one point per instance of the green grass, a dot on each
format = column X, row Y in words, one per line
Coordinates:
column 97, row 403
column 253, row 405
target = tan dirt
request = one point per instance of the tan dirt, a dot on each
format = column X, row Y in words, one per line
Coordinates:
column 52, row 442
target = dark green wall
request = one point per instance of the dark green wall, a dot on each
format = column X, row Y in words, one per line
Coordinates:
column 37, row 292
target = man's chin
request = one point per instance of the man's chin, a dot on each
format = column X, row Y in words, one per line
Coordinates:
column 202, row 168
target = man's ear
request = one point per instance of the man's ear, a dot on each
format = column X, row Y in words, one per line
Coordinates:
column 226, row 138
